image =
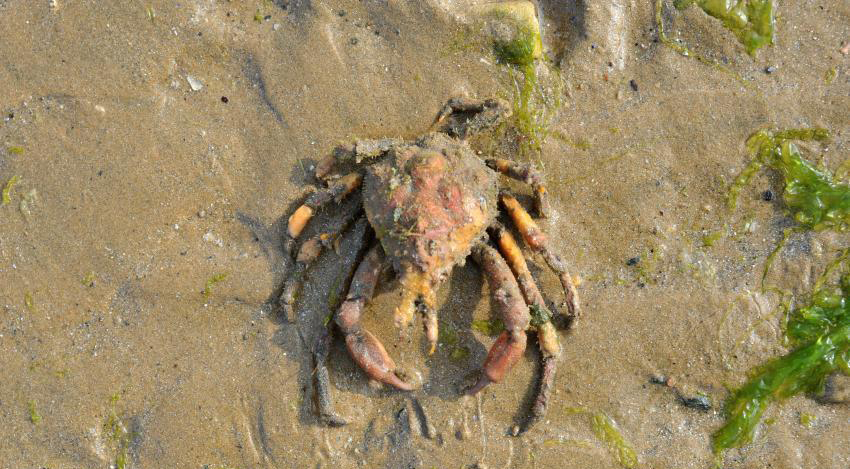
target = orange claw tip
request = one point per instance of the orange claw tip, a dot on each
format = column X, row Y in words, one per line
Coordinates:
column 298, row 220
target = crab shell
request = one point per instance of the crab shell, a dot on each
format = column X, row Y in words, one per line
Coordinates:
column 429, row 203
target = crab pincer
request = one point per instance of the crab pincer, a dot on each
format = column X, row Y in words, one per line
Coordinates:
column 510, row 345
column 366, row 350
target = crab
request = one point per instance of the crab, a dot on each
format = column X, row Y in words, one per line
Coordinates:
column 432, row 203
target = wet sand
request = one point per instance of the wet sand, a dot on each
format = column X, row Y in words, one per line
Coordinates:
column 140, row 189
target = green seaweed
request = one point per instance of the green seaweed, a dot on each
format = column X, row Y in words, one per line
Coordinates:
column 520, row 50
column 807, row 420
column 489, row 327
column 448, row 335
column 88, row 279
column 820, row 336
column 15, row 150
column 812, row 196
column 751, row 21
column 29, row 302
column 35, row 417
column 7, row 189
column 459, row 353
column 211, row 283
column 119, row 436
column 531, row 105
column 539, row 315
column 711, row 238
column 606, row 431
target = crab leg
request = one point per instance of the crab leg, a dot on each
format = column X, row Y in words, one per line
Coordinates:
column 510, row 345
column 488, row 113
column 547, row 337
column 417, row 295
column 337, row 191
column 321, row 347
column 527, row 173
column 307, row 255
column 537, row 240
column 366, row 350
column 355, row 153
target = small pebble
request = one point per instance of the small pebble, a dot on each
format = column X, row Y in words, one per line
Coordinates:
column 633, row 261
column 224, row 99
column 341, row 13
column 194, row 83
column 767, row 195
column 770, row 69
column 633, row 84
column 846, row 49
column 353, row 41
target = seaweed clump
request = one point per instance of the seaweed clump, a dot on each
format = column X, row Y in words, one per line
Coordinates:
column 818, row 333
column 820, row 336
column 814, row 199
column 517, row 43
column 751, row 21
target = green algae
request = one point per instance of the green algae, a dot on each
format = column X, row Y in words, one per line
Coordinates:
column 709, row 239
column 751, row 21
column 88, row 279
column 35, row 417
column 811, row 194
column 118, row 434
column 15, row 150
column 489, row 327
column 606, row 431
column 29, row 302
column 211, row 282
column 819, row 334
column 7, row 190
column 539, row 315
column 807, row 420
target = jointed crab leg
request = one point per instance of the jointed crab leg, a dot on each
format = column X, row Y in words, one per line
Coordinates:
column 307, row 255
column 510, row 345
column 488, row 113
column 321, row 348
column 537, row 240
column 528, row 174
column 337, row 191
column 547, row 337
column 366, row 350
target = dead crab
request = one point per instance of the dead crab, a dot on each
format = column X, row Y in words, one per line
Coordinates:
column 431, row 203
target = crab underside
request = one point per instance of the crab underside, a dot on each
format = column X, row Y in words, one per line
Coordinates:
column 431, row 203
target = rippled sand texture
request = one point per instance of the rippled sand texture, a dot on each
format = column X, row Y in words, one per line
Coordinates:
column 142, row 184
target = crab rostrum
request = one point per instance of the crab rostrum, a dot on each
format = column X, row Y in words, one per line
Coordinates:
column 432, row 203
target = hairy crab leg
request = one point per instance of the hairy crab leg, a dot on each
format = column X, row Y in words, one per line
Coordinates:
column 360, row 236
column 488, row 113
column 336, row 191
column 356, row 153
column 537, row 240
column 547, row 336
column 510, row 344
column 527, row 173
column 309, row 251
column 366, row 350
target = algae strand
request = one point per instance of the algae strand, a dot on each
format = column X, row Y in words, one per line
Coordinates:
column 820, row 335
column 751, row 21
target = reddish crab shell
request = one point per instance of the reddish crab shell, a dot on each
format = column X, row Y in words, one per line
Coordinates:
column 429, row 203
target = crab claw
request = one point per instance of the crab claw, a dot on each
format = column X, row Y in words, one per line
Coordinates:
column 504, row 353
column 368, row 352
